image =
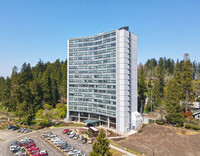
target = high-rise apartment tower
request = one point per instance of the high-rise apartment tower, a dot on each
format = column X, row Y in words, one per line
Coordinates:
column 102, row 79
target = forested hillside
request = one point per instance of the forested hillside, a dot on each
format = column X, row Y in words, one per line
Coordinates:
column 32, row 92
column 163, row 83
column 30, row 88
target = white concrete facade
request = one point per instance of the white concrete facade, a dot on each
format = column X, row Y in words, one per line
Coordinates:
column 126, row 81
column 127, row 117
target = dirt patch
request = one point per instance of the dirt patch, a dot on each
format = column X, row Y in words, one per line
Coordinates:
column 164, row 140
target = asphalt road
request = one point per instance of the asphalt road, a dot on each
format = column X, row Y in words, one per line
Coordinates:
column 43, row 144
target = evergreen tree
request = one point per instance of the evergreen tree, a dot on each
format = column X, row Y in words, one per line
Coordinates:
column 47, row 88
column 141, row 83
column 101, row 146
column 173, row 103
column 187, row 77
column 174, row 96
column 2, row 82
column 157, row 93
column 5, row 93
column 36, row 91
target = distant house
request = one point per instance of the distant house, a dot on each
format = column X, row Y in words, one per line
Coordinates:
column 191, row 105
column 196, row 114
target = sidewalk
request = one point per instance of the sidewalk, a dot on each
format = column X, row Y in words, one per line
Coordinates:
column 121, row 150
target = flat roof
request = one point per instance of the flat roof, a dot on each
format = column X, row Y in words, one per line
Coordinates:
column 94, row 129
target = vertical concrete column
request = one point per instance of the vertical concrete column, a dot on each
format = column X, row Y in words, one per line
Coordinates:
column 79, row 117
column 88, row 115
column 108, row 122
column 100, row 124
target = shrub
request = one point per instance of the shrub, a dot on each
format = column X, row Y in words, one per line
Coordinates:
column 139, row 131
column 89, row 134
column 159, row 122
column 177, row 125
column 151, row 121
column 195, row 127
column 188, row 126
column 143, row 125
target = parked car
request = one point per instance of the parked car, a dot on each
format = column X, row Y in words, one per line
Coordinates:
column 90, row 141
column 79, row 154
column 67, row 149
column 74, row 152
column 56, row 141
column 46, row 133
column 34, row 152
column 21, row 153
column 61, row 143
column 32, row 149
column 68, row 133
column 26, row 141
column 30, row 145
column 64, row 146
column 18, row 150
column 80, row 138
column 16, row 143
column 72, row 134
column 51, row 136
column 40, row 153
column 12, row 148
column 65, row 131
column 84, row 140
column 10, row 127
column 28, row 130
column 43, row 153
column 76, row 136
column 15, row 128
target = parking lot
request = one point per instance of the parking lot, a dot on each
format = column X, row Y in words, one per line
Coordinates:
column 42, row 143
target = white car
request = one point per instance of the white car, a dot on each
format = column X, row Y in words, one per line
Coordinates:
column 72, row 134
column 74, row 152
column 56, row 139
column 25, row 139
column 59, row 144
column 79, row 154
column 43, row 152
column 13, row 147
column 80, row 138
column 51, row 136
column 21, row 153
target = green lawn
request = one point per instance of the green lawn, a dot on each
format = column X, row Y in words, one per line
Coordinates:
column 63, row 124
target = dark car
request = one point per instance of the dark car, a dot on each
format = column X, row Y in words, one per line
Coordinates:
column 16, row 143
column 15, row 128
column 84, row 140
column 10, row 127
column 65, row 146
column 69, row 132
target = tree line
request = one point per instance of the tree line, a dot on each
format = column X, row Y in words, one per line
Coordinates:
column 33, row 92
column 33, row 88
column 164, row 83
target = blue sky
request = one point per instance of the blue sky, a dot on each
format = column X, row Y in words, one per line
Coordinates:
column 38, row 29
